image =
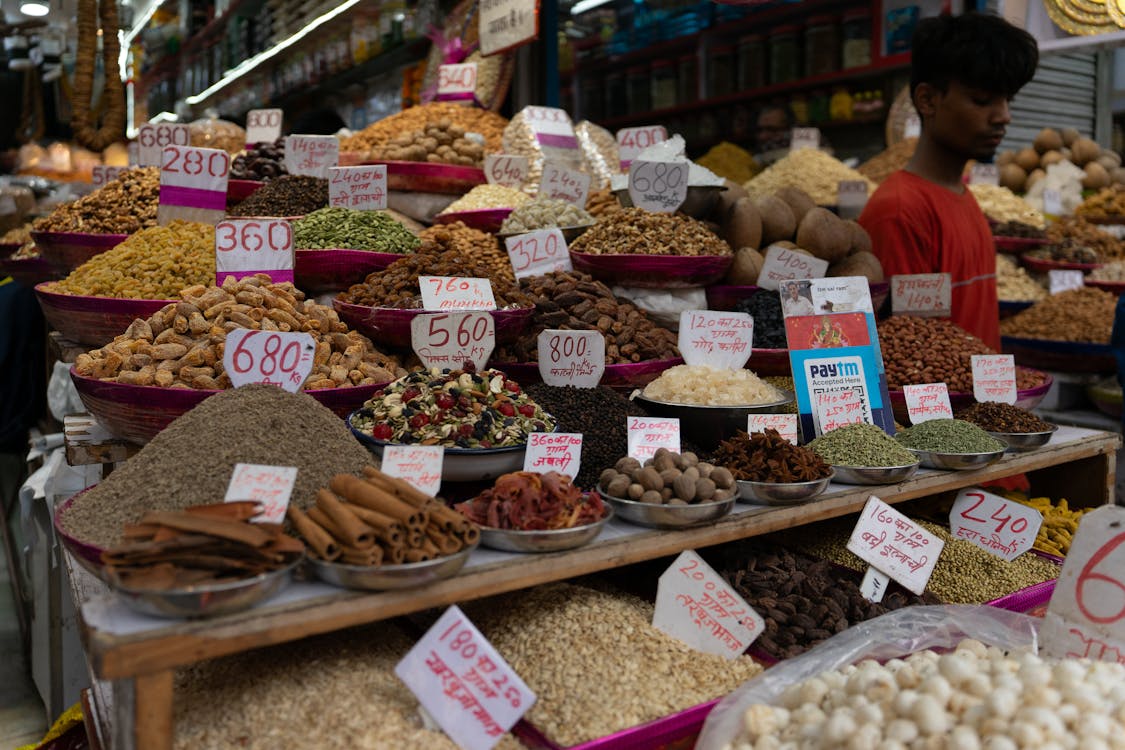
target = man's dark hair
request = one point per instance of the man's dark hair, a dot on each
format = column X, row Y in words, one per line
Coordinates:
column 976, row 49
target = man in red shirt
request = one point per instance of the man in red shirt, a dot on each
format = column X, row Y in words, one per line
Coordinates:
column 964, row 72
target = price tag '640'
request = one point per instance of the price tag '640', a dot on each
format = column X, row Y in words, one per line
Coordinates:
column 270, row 357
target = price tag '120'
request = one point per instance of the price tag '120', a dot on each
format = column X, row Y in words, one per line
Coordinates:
column 538, row 252
column 658, row 185
column 998, row 526
column 270, row 357
column 244, row 247
column 571, row 357
column 448, row 340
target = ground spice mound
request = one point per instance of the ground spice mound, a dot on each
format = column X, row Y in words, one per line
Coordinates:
column 191, row 461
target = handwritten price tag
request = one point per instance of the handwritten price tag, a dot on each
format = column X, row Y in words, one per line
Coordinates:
column 462, row 682
column 449, row 340
column 457, row 83
column 984, row 174
column 270, row 357
column 719, row 339
column 840, row 407
column 505, row 169
column 874, row 585
column 1052, row 202
column 800, row 138
column 1064, row 281
column 649, row 434
column 996, row 525
column 311, row 155
column 925, row 294
column 784, row 424
column 362, row 188
column 505, row 24
column 783, row 264
column 658, row 185
column 928, row 401
column 994, row 378
column 244, row 247
column 553, row 451
column 898, row 547
column 455, row 293
column 632, row 141
column 152, row 139
column 912, row 128
column 561, row 183
column 538, row 252
column 103, row 174
column 851, row 197
column 571, row 357
column 552, row 127
column 193, row 184
column 263, row 125
column 418, row 464
column 271, row 486
column 695, row 605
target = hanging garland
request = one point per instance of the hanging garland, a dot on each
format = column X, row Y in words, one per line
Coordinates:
column 113, row 95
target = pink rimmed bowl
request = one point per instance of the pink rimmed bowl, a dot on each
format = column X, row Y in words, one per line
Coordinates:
column 391, row 325
column 8, row 248
column 769, row 362
column 320, row 271
column 484, row 219
column 621, row 376
column 240, row 190
column 88, row 555
column 1060, row 356
column 93, row 321
column 653, row 271
column 68, row 250
column 1018, row 245
column 1113, row 287
column 426, row 177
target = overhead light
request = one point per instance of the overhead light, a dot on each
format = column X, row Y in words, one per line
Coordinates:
column 34, row 9
column 584, row 5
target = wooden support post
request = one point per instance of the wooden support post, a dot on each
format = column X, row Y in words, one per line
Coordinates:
column 152, row 695
column 1085, row 482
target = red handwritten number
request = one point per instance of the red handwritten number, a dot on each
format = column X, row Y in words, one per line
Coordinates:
column 291, row 348
column 283, row 241
column 452, row 627
column 1088, row 575
column 241, row 352
column 977, row 504
column 692, row 565
column 465, row 336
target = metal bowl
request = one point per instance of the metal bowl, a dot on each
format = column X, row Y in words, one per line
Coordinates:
column 698, row 203
column 206, row 601
column 874, row 474
column 782, row 493
column 388, row 577
column 554, row 540
column 707, row 426
column 1020, row 442
column 957, row 461
column 669, row 516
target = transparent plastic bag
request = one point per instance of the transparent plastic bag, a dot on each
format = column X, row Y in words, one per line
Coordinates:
column 893, row 635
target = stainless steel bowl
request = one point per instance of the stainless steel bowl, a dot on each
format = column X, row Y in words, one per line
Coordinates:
column 698, row 203
column 1020, row 442
column 669, row 516
column 782, row 493
column 957, row 461
column 873, row 474
column 707, row 426
column 556, row 540
column 387, row 577
column 206, row 601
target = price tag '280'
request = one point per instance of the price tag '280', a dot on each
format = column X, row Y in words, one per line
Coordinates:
column 271, row 357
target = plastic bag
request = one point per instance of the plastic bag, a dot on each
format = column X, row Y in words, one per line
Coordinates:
column 599, row 152
column 211, row 132
column 893, row 635
column 664, row 305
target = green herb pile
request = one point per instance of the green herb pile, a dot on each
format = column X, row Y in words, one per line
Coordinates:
column 352, row 230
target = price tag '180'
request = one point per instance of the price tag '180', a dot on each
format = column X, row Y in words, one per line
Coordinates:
column 561, row 183
column 457, row 83
column 571, row 357
column 244, row 247
column 420, row 465
column 152, row 139
column 448, row 340
column 362, row 188
column 895, row 545
column 926, row 294
column 658, row 185
column 538, row 252
column 283, row 359
column 311, row 155
column 506, row 169
column 927, row 401
column 646, row 435
column 263, row 125
column 271, row 486
column 722, row 340
column 193, row 184
column 632, row 141
column 1001, row 527
column 553, row 451
column 994, row 378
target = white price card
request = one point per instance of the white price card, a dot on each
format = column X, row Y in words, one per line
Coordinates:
column 896, row 545
column 659, row 186
column 574, row 358
column 924, row 294
column 927, row 401
column 783, row 264
column 463, row 683
column 270, row 486
column 1052, row 202
column 420, row 465
column 984, row 174
column 695, row 605
column 448, row 340
column 506, row 169
column 244, row 247
column 562, row 183
column 1064, row 281
column 912, row 128
column 134, row 152
column 457, row 83
column 193, row 184
column 874, row 585
column 800, row 138
column 456, row 293
column 649, row 434
column 1086, row 616
column 994, row 378
column 279, row 358
column 632, row 141
column 1001, row 527
column 784, row 424
column 553, row 451
column 552, row 127
column 722, row 340
column 311, row 155
column 362, row 188
column 505, row 24
column 851, row 197
column 103, row 174
column 839, row 407
column 152, row 139
column 263, row 125
column 539, row 252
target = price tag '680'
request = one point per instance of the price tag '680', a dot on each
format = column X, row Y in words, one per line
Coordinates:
column 271, row 357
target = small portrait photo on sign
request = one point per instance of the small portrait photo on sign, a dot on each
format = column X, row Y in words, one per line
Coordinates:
column 796, row 298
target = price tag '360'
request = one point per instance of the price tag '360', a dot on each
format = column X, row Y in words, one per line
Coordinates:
column 244, row 247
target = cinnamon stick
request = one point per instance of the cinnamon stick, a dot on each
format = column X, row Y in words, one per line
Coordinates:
column 352, row 556
column 369, row 496
column 446, row 545
column 382, row 523
column 356, row 533
column 396, row 486
column 394, row 554
column 417, row 555
column 236, row 510
column 234, row 530
column 322, row 519
column 319, row 539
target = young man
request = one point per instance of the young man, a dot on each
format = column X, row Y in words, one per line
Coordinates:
column 964, row 72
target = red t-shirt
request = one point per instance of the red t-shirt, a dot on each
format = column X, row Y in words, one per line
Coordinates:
column 917, row 226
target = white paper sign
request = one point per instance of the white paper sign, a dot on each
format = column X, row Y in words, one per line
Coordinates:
column 851, row 197
column 800, row 138
column 913, row 126
column 561, row 183
column 152, row 139
column 984, row 174
column 456, row 293
column 269, row 485
column 553, row 129
column 263, row 125
column 362, row 188
column 311, row 155
column 649, row 434
column 839, row 407
column 927, row 401
column 134, row 151
column 783, row 264
column 632, row 141
column 659, row 186
column 457, row 82
column 103, row 174
column 284, row 359
column 464, row 684
column 447, row 340
column 1052, row 202
column 998, row 526
column 244, row 247
column 695, row 605
column 898, row 547
column 506, row 169
column 420, row 465
column 193, row 180
column 925, row 294
column 539, row 252
column 712, row 337
column 1064, row 281
column 505, row 24
column 994, row 378
column 553, row 451
column 874, row 585
column 785, row 424
column 571, row 357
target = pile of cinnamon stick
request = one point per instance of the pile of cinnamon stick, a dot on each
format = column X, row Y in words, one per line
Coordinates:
column 380, row 520
column 206, row 544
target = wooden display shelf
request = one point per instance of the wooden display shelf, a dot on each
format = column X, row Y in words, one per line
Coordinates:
column 139, row 654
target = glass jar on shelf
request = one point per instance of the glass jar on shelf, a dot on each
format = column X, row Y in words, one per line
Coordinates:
column 687, row 80
column 639, row 92
column 664, row 84
column 721, row 76
column 616, row 103
column 822, row 46
column 785, row 62
column 857, row 38
column 751, row 62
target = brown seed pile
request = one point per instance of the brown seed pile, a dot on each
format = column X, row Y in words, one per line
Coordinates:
column 290, row 195
column 121, row 206
column 1084, row 315
column 994, row 416
column 600, row 203
column 190, row 462
column 472, row 119
column 768, row 457
column 1077, row 230
column 636, row 231
column 479, row 248
column 887, row 162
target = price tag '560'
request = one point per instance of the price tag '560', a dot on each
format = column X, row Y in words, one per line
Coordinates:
column 447, row 340
column 538, row 252
column 244, row 247
column 275, row 358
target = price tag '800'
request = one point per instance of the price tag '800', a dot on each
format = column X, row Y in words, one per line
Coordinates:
column 538, row 252
column 244, row 247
